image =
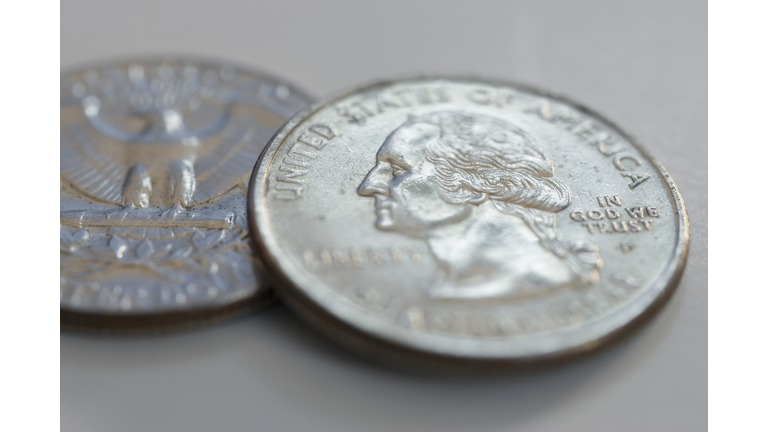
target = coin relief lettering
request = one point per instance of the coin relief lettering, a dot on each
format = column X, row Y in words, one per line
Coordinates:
column 603, row 141
column 563, row 314
column 640, row 217
column 379, row 102
column 499, row 98
column 360, row 257
column 289, row 183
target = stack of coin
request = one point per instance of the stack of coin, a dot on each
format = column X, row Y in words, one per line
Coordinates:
column 426, row 223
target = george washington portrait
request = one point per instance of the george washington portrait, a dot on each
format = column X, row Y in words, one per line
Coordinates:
column 482, row 194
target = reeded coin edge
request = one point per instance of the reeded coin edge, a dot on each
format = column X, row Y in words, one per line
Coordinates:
column 395, row 352
column 81, row 322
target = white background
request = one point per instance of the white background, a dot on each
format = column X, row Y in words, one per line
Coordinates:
column 641, row 64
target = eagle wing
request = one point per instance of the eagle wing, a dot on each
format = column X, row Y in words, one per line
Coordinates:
column 97, row 170
column 100, row 170
column 232, row 160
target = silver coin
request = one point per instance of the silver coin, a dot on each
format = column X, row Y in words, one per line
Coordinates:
column 155, row 158
column 460, row 222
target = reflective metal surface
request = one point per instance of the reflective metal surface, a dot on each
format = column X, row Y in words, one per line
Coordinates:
column 459, row 222
column 155, row 155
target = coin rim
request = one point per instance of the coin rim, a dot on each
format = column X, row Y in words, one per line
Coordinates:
column 400, row 354
column 200, row 60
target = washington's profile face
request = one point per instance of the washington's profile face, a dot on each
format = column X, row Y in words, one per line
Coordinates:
column 405, row 186
column 482, row 193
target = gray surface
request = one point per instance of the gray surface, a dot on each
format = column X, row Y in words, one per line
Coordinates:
column 641, row 65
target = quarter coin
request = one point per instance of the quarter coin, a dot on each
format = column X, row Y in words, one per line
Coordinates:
column 155, row 156
column 460, row 223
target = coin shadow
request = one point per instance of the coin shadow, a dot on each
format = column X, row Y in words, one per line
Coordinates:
column 270, row 363
column 326, row 379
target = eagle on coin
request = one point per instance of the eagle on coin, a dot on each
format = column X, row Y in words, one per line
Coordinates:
column 155, row 143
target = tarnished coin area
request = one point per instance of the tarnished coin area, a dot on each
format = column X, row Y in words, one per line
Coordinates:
column 466, row 220
column 155, row 158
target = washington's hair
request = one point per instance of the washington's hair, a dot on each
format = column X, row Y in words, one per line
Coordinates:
column 480, row 158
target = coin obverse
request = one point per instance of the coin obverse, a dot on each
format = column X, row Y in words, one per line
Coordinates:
column 459, row 222
column 155, row 158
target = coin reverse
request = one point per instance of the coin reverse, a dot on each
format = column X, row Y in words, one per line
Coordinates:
column 155, row 155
